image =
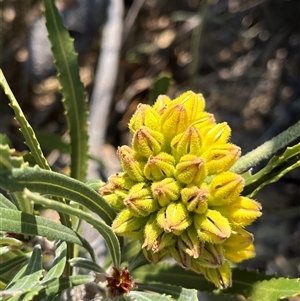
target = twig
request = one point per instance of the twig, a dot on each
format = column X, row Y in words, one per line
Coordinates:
column 130, row 17
column 105, row 81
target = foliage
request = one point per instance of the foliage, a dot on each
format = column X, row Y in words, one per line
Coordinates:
column 35, row 252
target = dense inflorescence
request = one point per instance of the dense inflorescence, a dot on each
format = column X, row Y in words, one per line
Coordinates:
column 177, row 195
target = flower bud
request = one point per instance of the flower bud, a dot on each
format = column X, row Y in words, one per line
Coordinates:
column 190, row 243
column 204, row 120
column 147, row 142
column 174, row 121
column 238, row 256
column 212, row 227
column 218, row 133
column 220, row 276
column 182, row 258
column 115, row 200
column 130, row 164
column 238, row 240
column 157, row 256
column 161, row 104
column 194, row 104
column 159, row 167
column 212, row 256
column 190, row 170
column 221, row 157
column 140, row 201
column 166, row 191
column 144, row 116
column 120, row 180
column 155, row 237
column 116, row 190
column 242, row 212
column 225, row 188
column 188, row 142
column 152, row 231
column 174, row 218
column 195, row 198
column 128, row 225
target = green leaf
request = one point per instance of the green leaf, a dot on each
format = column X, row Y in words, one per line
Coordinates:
column 6, row 203
column 30, row 278
column 5, row 140
column 274, row 289
column 4, row 250
column 269, row 148
column 61, row 284
column 52, row 183
column 106, row 231
column 177, row 292
column 86, row 264
column 160, row 86
column 172, row 274
column 11, row 242
column 59, row 262
column 19, row 222
column 9, row 160
column 54, row 273
column 74, row 96
column 277, row 167
column 259, row 286
column 137, row 261
column 141, row 296
column 8, row 265
column 26, row 129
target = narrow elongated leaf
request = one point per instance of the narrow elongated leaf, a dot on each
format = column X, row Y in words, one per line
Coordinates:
column 52, row 183
column 74, row 96
column 137, row 261
column 19, row 222
column 8, row 265
column 31, row 276
column 59, row 262
column 61, row 284
column 176, row 292
column 268, row 149
column 86, row 264
column 172, row 274
column 4, row 250
column 106, row 231
column 141, row 296
column 11, row 242
column 23, row 205
column 5, row 140
column 26, row 129
column 259, row 286
column 274, row 289
column 276, row 168
column 6, row 203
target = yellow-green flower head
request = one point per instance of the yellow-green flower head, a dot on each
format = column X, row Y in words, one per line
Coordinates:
column 176, row 193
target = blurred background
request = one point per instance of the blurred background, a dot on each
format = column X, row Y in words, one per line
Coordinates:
column 242, row 55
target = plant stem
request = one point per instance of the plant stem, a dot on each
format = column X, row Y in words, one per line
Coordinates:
column 267, row 149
